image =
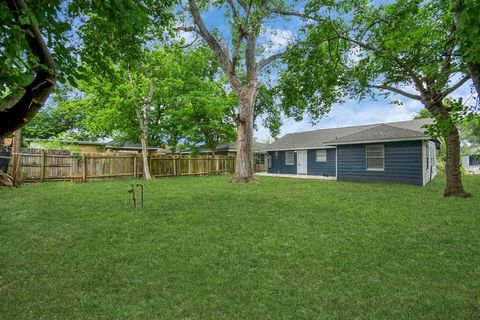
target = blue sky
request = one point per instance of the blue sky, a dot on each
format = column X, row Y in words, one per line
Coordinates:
column 276, row 36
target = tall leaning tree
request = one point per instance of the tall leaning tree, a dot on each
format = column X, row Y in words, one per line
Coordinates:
column 242, row 59
column 407, row 48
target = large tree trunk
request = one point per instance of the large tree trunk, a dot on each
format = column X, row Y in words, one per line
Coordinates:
column 244, row 166
column 24, row 109
column 453, row 186
column 16, row 150
column 146, row 166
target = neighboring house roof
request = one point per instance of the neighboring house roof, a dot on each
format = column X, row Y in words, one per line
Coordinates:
column 121, row 145
column 114, row 145
column 258, row 147
column 324, row 138
column 75, row 142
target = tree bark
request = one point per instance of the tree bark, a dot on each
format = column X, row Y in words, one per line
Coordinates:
column 39, row 89
column 16, row 149
column 474, row 70
column 453, row 186
column 244, row 165
column 146, row 166
column 453, row 175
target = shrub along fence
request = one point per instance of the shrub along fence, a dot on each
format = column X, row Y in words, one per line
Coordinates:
column 38, row 165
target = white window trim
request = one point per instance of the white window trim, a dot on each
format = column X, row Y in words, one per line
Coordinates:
column 316, row 155
column 383, row 158
column 288, row 163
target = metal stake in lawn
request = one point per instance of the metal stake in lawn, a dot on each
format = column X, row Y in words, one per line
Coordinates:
column 134, row 197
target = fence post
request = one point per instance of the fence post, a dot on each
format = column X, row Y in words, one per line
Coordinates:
column 42, row 165
column 179, row 168
column 71, row 169
column 84, row 167
column 135, row 166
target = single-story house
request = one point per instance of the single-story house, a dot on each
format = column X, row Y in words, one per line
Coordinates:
column 399, row 152
column 114, row 146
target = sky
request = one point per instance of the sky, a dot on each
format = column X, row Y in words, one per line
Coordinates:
column 277, row 35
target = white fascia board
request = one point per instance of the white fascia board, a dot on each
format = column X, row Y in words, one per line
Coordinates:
column 301, row 148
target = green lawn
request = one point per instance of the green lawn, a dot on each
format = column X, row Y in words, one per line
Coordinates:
column 206, row 249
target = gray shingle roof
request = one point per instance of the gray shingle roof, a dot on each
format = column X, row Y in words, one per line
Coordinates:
column 325, row 138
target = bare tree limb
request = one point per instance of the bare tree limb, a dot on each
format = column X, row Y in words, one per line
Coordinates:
column 222, row 54
column 294, row 14
column 243, row 4
column 250, row 58
column 186, row 28
column 457, row 85
column 396, row 90
column 233, row 8
column 191, row 43
column 265, row 62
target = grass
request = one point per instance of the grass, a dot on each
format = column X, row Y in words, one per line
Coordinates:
column 206, row 249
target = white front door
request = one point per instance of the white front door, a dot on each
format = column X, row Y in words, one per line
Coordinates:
column 302, row 162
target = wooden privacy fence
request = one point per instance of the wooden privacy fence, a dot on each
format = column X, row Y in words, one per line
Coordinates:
column 53, row 165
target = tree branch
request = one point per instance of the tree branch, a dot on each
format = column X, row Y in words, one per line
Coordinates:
column 416, row 79
column 250, row 58
column 42, row 85
column 234, row 9
column 294, row 14
column 186, row 28
column 265, row 62
column 222, row 54
column 396, row 90
column 456, row 86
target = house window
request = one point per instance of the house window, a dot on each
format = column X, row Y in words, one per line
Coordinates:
column 261, row 159
column 432, row 156
column 321, row 156
column 276, row 154
column 269, row 159
column 375, row 157
column 289, row 158
column 428, row 156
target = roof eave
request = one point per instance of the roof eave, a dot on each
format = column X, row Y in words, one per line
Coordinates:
column 332, row 143
column 301, row 148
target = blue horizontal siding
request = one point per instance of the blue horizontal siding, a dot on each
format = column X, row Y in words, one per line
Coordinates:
column 278, row 164
column 403, row 163
column 322, row 168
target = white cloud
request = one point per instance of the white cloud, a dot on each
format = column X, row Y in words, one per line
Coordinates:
column 275, row 39
column 188, row 37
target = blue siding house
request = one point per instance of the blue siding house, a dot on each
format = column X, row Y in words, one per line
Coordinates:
column 399, row 152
